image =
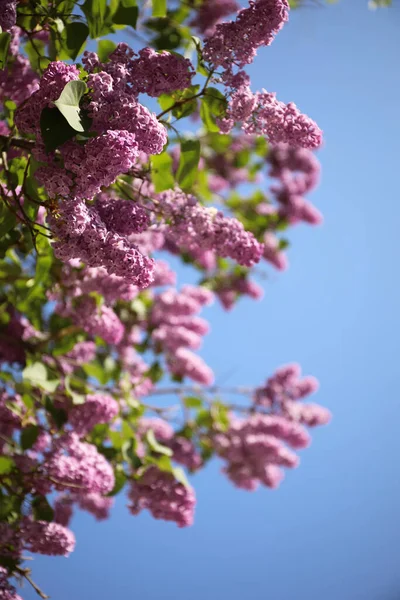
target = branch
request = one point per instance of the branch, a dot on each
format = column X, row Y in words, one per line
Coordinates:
column 179, row 103
column 194, row 389
column 17, row 142
column 185, row 100
column 26, row 574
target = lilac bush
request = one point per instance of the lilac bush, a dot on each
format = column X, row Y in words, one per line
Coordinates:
column 99, row 191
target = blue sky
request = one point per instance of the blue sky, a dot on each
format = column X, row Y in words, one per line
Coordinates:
column 331, row 531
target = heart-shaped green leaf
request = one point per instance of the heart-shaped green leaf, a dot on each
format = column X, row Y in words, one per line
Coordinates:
column 68, row 103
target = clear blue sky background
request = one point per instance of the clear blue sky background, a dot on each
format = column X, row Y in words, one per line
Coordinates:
column 332, row 531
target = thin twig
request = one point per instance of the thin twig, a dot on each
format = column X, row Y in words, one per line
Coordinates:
column 215, row 389
column 26, row 574
column 17, row 142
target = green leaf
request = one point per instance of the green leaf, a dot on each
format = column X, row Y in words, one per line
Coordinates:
column 55, row 129
column 159, row 8
column 74, row 37
column 59, row 415
column 201, row 67
column 8, row 505
column 95, row 11
column 126, row 15
column 180, row 476
column 128, row 451
column 155, row 372
column 156, row 446
column 161, row 172
column 192, row 402
column 28, row 401
column 44, row 260
column 7, row 219
column 204, row 419
column 36, row 375
column 29, row 436
column 220, row 415
column 6, row 465
column 139, row 307
column 5, row 39
column 96, row 369
column 36, row 52
column 116, row 439
column 188, row 163
column 68, row 103
column 164, row 464
column 76, row 398
column 64, row 345
column 170, row 36
column 166, row 101
column 42, row 511
column 104, row 49
column 213, row 106
column 120, row 480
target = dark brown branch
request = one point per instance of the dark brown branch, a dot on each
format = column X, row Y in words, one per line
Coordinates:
column 17, row 142
column 26, row 574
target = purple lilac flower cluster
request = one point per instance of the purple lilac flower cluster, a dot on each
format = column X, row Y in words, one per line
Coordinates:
column 255, row 449
column 18, row 81
column 283, row 391
column 156, row 73
column 230, row 288
column 73, row 463
column 99, row 321
column 97, row 235
column 178, row 328
column 98, row 246
column 7, row 590
column 17, row 331
column 236, row 42
column 8, row 14
column 211, row 12
column 81, row 353
column 52, row 539
column 41, row 537
column 162, row 495
column 297, row 173
column 262, row 114
column 97, row 408
column 97, row 505
column 194, row 227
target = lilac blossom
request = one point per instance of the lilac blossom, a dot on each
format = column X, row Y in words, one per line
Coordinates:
column 156, row 73
column 95, row 504
column 8, row 14
column 77, row 465
column 211, row 12
column 236, row 42
column 183, row 363
column 163, row 496
column 52, row 539
column 97, row 408
column 194, row 227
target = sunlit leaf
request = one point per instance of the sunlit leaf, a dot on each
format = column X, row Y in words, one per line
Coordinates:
column 159, row 8
column 5, row 39
column 161, row 172
column 155, row 445
column 36, row 374
column 188, row 163
column 6, row 465
column 68, row 103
